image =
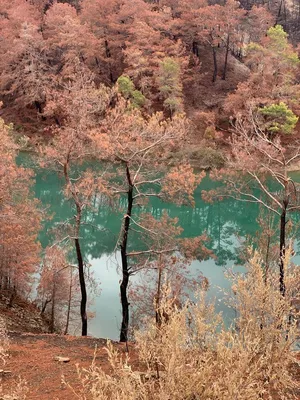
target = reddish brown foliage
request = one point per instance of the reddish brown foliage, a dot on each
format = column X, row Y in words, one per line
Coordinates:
column 20, row 220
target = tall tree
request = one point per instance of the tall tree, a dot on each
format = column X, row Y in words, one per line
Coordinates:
column 233, row 17
column 24, row 66
column 67, row 37
column 80, row 106
column 165, row 259
column 218, row 26
column 20, row 221
column 53, row 285
column 138, row 147
column 110, row 23
column 150, row 43
column 258, row 173
column 274, row 67
column 170, row 85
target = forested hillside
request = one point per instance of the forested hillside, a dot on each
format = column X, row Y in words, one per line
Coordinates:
column 210, row 60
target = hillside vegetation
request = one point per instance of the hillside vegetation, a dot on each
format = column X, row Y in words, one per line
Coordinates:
column 210, row 60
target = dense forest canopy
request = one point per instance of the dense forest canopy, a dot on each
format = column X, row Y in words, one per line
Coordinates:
column 203, row 58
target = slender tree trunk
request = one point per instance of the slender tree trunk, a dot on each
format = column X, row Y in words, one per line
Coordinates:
column 108, row 55
column 125, row 272
column 107, row 50
column 83, row 301
column 279, row 12
column 78, row 251
column 45, row 305
column 267, row 258
column 282, row 247
column 38, row 106
column 157, row 305
column 284, row 10
column 53, row 307
column 226, row 57
column 69, row 303
column 195, row 49
column 12, row 297
column 215, row 64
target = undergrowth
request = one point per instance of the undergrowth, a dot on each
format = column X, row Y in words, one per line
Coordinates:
column 192, row 356
column 19, row 389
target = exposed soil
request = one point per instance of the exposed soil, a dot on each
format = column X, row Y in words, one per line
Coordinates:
column 21, row 315
column 32, row 358
column 32, row 355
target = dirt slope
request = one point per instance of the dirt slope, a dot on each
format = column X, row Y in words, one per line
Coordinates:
column 22, row 316
column 32, row 357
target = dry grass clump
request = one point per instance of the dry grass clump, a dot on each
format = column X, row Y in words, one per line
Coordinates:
column 19, row 391
column 4, row 341
column 192, row 356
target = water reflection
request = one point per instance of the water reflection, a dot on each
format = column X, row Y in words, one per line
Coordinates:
column 226, row 222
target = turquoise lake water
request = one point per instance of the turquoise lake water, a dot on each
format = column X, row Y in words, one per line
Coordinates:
column 227, row 223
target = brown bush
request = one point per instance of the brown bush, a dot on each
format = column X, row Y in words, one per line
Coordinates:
column 18, row 392
column 193, row 356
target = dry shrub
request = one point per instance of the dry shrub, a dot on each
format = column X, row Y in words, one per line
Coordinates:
column 18, row 392
column 192, row 356
column 4, row 341
column 19, row 389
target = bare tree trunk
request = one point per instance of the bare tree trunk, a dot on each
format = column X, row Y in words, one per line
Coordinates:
column 215, row 64
column 51, row 328
column 226, row 57
column 38, row 106
column 78, row 251
column 282, row 247
column 108, row 55
column 12, row 297
column 45, row 305
column 279, row 12
column 157, row 305
column 195, row 49
column 83, row 301
column 69, row 303
column 125, row 271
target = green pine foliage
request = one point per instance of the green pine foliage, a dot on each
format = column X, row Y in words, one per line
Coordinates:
column 278, row 37
column 279, row 118
column 170, row 86
column 278, row 42
column 127, row 88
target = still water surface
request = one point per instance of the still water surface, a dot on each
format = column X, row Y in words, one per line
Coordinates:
column 227, row 223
